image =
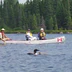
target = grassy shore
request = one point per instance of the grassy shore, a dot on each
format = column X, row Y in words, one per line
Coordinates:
column 36, row 31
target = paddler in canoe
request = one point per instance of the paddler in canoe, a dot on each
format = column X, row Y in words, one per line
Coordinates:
column 29, row 35
column 42, row 34
column 3, row 37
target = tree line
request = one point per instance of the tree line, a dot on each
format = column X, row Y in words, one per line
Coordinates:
column 34, row 14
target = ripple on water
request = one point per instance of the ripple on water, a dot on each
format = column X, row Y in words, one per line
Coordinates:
column 14, row 58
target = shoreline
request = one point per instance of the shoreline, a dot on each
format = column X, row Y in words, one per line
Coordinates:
column 36, row 31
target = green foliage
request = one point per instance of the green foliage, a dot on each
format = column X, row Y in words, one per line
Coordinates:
column 34, row 22
column 50, row 14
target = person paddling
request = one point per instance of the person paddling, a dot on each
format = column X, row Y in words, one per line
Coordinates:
column 3, row 37
column 42, row 34
column 29, row 35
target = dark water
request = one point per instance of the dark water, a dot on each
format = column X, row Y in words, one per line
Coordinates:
column 58, row 57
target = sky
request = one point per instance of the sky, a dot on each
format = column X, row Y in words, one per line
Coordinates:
column 21, row 1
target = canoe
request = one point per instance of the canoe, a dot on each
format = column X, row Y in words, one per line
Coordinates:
column 54, row 40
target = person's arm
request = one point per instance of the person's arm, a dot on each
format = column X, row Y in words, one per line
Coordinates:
column 4, row 36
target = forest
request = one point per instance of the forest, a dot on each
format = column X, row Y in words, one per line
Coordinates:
column 34, row 14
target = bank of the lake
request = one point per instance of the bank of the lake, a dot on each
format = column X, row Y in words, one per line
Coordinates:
column 36, row 31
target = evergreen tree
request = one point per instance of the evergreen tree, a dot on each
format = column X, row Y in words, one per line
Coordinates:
column 55, row 26
column 18, row 15
column 5, row 13
column 60, row 15
column 48, row 14
column 54, row 8
column 35, row 6
column 67, row 18
column 34, row 22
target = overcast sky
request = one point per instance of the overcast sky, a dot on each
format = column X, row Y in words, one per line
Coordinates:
column 21, row 1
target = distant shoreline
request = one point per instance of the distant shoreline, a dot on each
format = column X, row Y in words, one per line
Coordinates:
column 36, row 31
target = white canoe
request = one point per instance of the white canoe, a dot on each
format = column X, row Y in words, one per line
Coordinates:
column 54, row 40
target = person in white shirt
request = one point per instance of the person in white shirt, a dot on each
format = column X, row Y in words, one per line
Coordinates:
column 3, row 37
column 29, row 35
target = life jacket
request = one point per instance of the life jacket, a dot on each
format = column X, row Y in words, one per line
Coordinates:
column 41, row 34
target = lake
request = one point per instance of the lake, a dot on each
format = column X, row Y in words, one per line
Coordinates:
column 58, row 57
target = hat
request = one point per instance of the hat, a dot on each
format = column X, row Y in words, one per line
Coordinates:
column 2, row 29
column 28, row 29
column 41, row 29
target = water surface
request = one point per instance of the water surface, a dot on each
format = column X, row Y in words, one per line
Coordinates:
column 58, row 57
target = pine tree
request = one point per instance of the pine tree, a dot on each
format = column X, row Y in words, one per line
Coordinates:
column 55, row 25
column 48, row 14
column 5, row 13
column 52, row 14
column 35, row 6
column 18, row 14
column 34, row 22
column 60, row 15
column 67, row 18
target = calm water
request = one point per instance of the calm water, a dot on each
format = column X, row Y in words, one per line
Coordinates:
column 58, row 58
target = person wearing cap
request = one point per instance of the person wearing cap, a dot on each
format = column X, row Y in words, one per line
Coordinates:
column 41, row 34
column 3, row 37
column 29, row 35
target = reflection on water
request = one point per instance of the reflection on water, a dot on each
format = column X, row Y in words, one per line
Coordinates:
column 2, row 44
column 58, row 57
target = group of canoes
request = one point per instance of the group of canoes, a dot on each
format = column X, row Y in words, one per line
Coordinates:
column 29, row 36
